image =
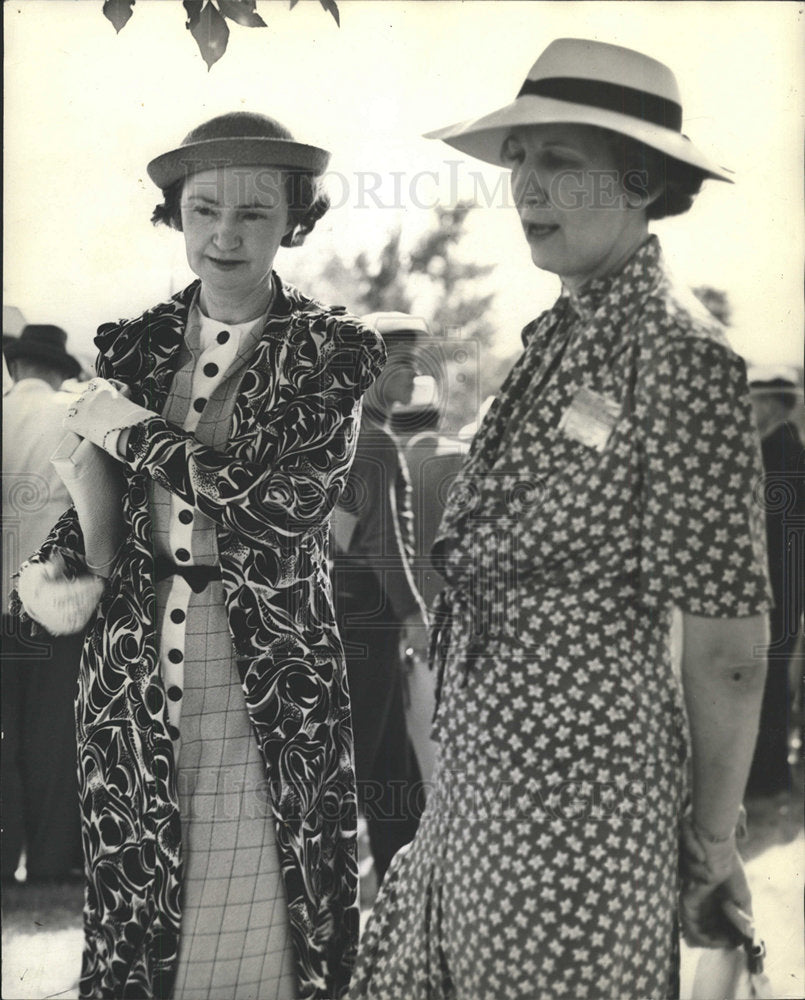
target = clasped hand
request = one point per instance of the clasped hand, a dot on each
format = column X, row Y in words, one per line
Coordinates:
column 414, row 640
column 715, row 902
column 101, row 412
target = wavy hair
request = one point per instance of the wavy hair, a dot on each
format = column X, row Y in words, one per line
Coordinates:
column 306, row 198
column 644, row 169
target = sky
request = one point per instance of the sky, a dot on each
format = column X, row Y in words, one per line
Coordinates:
column 86, row 109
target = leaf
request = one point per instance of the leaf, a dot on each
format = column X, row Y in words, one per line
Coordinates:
column 242, row 12
column 211, row 34
column 118, row 12
column 193, row 8
column 332, row 7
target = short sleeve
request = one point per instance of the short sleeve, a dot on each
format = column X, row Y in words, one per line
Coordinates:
column 703, row 545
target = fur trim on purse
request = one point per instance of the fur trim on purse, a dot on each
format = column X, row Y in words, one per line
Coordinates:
column 61, row 604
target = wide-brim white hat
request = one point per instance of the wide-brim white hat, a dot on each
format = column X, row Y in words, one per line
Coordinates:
column 583, row 82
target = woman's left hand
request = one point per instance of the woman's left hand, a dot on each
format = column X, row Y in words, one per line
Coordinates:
column 715, row 903
column 101, row 412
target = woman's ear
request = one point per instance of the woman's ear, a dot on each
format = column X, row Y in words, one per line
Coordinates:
column 654, row 191
column 640, row 189
column 289, row 237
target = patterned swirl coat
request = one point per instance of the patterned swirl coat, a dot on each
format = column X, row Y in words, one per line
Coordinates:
column 293, row 435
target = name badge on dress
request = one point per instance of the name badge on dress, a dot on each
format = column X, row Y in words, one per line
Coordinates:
column 590, row 418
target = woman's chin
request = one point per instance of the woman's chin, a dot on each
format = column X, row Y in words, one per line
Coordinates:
column 229, row 285
column 220, row 279
column 543, row 260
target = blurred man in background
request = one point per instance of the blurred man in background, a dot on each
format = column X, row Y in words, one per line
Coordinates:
column 40, row 812
column 434, row 459
column 775, row 396
column 378, row 604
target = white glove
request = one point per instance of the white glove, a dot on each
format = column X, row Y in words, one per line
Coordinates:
column 101, row 412
column 63, row 605
column 96, row 486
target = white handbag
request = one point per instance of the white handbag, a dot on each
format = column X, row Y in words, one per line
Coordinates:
column 61, row 602
column 732, row 974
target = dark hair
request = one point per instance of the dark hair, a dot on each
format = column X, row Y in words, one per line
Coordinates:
column 644, row 169
column 307, row 203
column 786, row 400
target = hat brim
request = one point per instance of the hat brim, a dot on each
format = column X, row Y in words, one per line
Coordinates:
column 14, row 349
column 398, row 326
column 483, row 137
column 760, row 389
column 178, row 164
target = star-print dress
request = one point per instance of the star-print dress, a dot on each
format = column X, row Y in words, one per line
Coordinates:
column 235, row 939
column 612, row 479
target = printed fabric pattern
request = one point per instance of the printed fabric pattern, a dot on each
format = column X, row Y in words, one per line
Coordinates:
column 270, row 493
column 615, row 477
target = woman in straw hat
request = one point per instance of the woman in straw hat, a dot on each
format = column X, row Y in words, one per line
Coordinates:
column 213, row 717
column 610, row 482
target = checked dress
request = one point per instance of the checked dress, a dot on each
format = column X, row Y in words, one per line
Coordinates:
column 236, row 937
column 545, row 865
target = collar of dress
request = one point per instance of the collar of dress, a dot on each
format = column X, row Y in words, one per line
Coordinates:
column 642, row 270
column 201, row 331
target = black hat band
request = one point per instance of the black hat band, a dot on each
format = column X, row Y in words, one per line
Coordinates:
column 609, row 97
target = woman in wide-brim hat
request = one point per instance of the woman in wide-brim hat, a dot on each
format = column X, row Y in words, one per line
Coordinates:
column 214, row 735
column 610, row 482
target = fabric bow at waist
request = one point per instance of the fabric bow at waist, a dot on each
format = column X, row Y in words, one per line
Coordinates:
column 198, row 577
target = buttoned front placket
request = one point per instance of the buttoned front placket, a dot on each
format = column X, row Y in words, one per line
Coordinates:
column 219, row 344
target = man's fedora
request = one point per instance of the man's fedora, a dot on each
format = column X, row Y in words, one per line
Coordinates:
column 45, row 343
column 583, row 82
column 773, row 380
column 237, row 139
column 397, row 326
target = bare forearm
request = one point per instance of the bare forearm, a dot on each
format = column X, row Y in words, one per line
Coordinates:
column 723, row 671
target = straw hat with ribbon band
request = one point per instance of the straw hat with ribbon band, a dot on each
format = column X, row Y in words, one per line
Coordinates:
column 237, row 139
column 45, row 343
column 582, row 82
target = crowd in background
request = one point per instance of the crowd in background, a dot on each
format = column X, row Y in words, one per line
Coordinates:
column 383, row 530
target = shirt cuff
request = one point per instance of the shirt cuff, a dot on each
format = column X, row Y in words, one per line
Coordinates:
column 135, row 445
column 111, row 441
